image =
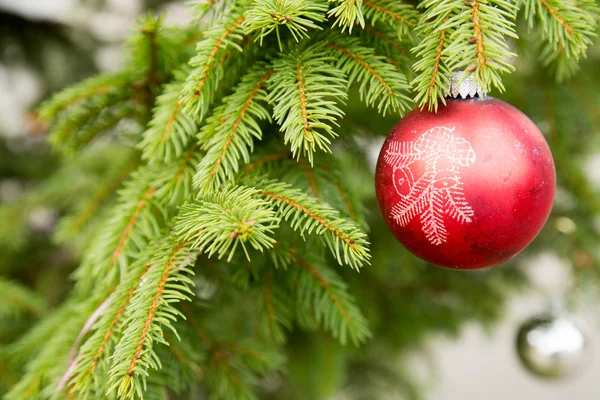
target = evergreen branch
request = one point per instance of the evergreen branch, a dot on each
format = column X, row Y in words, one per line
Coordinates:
column 260, row 359
column 143, row 51
column 99, row 85
column 231, row 129
column 105, row 121
column 27, row 345
column 181, row 370
column 143, row 202
column 198, row 92
column 348, row 13
column 431, row 84
column 301, row 106
column 276, row 307
column 73, row 224
column 477, row 40
column 381, row 84
column 79, row 125
column 311, row 179
column 16, row 300
column 392, row 42
column 61, row 191
column 115, row 321
column 193, row 323
column 402, row 17
column 184, row 359
column 174, row 184
column 298, row 16
column 99, row 103
column 170, row 130
column 217, row 222
column 202, row 8
column 154, row 51
column 265, row 160
column 131, row 222
column 481, row 59
column 275, row 302
column 324, row 291
column 232, row 367
column 95, row 349
column 91, row 321
column 237, row 353
column 151, row 78
column 462, row 36
column 52, row 340
column 269, row 297
column 384, row 41
column 568, row 27
column 557, row 15
column 230, row 378
column 150, row 310
column 352, row 205
column 326, row 182
column 153, row 310
column 347, row 243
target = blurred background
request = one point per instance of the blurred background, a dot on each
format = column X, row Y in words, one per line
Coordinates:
column 48, row 44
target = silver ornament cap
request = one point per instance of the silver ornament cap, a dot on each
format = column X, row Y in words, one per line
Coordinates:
column 464, row 87
column 551, row 347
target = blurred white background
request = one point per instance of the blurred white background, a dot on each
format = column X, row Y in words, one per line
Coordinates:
column 485, row 365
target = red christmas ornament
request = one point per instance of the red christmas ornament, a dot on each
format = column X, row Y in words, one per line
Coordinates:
column 467, row 187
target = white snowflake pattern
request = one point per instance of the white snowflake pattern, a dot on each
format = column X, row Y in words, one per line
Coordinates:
column 439, row 190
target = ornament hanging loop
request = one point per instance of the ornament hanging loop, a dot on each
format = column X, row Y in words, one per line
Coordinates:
column 465, row 87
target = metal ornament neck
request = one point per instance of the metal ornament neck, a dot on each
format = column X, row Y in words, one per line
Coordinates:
column 464, row 87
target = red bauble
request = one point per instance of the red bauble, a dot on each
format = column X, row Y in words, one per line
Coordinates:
column 467, row 187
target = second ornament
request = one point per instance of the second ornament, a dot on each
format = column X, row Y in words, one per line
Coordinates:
column 551, row 347
column 469, row 186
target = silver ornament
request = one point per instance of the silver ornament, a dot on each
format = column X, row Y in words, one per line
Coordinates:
column 551, row 347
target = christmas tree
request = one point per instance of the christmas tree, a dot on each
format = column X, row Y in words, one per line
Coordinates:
column 217, row 195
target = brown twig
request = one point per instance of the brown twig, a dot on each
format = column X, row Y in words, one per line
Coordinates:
column 312, row 215
column 136, row 213
column 237, row 123
column 364, row 64
column 325, row 285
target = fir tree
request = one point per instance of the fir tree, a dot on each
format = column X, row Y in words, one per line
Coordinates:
column 216, row 190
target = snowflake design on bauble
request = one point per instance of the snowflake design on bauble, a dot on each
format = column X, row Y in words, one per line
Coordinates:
column 439, row 190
